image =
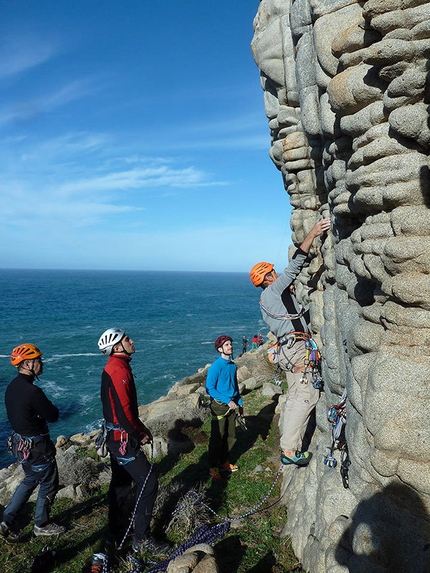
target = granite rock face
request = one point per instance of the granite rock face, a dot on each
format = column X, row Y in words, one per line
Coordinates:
column 347, row 97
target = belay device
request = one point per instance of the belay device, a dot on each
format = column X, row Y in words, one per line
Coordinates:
column 337, row 418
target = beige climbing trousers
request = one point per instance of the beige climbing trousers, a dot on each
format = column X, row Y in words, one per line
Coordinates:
column 301, row 398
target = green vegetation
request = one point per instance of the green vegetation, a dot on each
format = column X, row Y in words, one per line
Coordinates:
column 253, row 543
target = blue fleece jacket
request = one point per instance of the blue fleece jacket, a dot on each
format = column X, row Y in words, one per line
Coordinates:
column 221, row 381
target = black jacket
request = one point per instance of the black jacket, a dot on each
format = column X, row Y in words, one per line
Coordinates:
column 28, row 409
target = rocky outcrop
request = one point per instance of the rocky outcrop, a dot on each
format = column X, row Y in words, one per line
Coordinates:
column 346, row 93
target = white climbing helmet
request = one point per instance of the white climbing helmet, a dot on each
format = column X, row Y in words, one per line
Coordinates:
column 109, row 338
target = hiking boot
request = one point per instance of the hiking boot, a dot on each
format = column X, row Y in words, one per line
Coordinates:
column 150, row 545
column 228, row 467
column 49, row 529
column 7, row 534
column 299, row 459
column 214, row 474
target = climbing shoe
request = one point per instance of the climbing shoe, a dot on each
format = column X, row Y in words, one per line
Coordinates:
column 150, row 545
column 228, row 467
column 7, row 534
column 299, row 459
column 49, row 529
column 214, row 474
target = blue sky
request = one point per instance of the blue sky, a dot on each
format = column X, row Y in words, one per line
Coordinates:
column 133, row 136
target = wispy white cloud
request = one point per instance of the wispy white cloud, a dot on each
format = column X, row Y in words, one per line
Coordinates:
column 27, row 109
column 75, row 181
column 21, row 53
column 49, row 212
column 150, row 177
column 71, row 91
column 70, row 146
column 241, row 131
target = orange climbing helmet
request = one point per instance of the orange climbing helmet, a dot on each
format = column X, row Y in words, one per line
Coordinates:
column 259, row 271
column 24, row 352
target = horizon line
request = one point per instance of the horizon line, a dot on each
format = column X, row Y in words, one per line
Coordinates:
column 116, row 270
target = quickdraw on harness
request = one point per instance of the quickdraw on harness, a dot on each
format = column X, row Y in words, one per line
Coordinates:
column 123, row 440
column 241, row 422
column 312, row 362
column 337, row 418
column 20, row 446
column 101, row 441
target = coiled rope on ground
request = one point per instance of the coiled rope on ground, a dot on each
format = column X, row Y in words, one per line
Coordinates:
column 205, row 534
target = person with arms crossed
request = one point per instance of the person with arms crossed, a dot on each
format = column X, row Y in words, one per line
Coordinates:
column 285, row 318
column 28, row 411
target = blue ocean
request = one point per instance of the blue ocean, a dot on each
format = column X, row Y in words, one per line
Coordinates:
column 173, row 318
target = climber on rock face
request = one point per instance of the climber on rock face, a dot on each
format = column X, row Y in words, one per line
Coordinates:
column 285, row 318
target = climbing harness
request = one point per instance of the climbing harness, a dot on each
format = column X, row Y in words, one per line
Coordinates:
column 337, row 418
column 311, row 364
column 21, row 446
column 240, row 420
column 221, row 416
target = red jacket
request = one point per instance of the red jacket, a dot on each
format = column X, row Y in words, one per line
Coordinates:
column 119, row 398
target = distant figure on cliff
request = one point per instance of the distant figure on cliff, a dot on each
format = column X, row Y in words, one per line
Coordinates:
column 260, row 339
column 222, row 387
column 244, row 344
column 254, row 342
column 126, row 433
column 28, row 411
column 283, row 315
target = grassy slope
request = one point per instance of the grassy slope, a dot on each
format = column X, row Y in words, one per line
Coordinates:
column 252, row 544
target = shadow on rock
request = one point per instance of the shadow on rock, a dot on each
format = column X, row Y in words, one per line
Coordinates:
column 388, row 533
column 229, row 554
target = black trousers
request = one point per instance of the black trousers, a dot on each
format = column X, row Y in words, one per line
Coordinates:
column 124, row 474
column 223, row 434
